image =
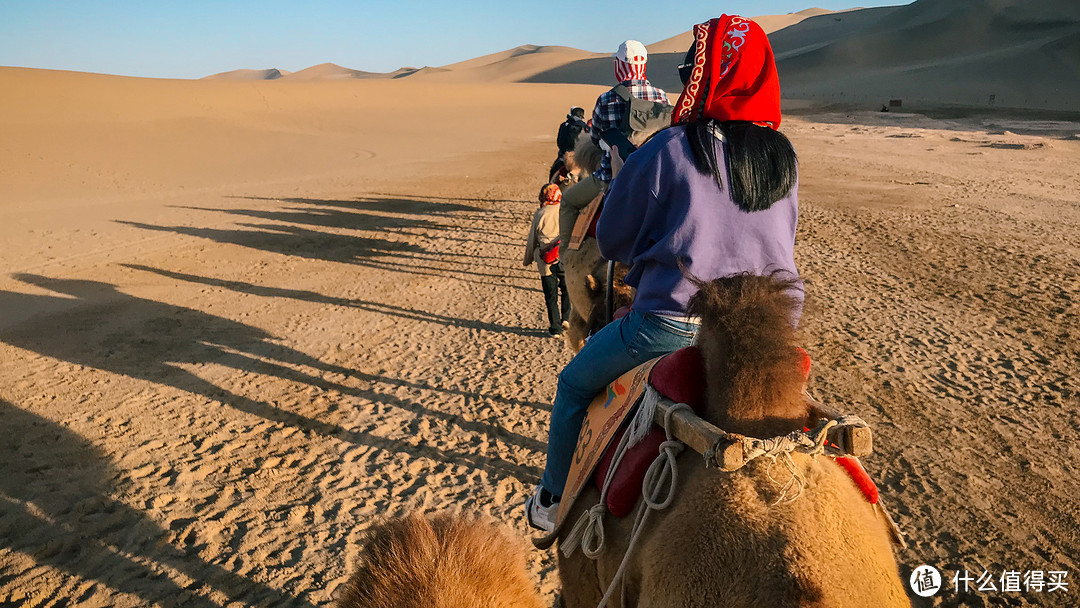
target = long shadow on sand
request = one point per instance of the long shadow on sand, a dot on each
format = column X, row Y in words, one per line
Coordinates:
column 376, row 253
column 396, row 204
column 346, row 215
column 106, row 329
column 292, row 240
column 410, row 314
column 56, row 508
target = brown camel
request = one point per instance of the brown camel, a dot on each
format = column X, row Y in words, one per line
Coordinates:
column 585, row 268
column 442, row 561
column 732, row 539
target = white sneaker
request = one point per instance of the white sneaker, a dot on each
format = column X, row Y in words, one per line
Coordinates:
column 539, row 515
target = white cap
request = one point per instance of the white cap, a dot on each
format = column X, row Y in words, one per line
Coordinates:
column 632, row 52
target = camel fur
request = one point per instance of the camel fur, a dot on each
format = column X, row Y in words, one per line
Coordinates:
column 440, row 561
column 735, row 539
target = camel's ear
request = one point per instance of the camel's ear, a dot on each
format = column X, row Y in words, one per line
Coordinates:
column 592, row 282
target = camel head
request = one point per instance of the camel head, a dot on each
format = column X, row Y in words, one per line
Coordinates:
column 753, row 365
column 596, row 281
column 587, row 155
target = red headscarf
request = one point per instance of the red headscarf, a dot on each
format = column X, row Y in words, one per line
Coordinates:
column 734, row 75
column 550, row 194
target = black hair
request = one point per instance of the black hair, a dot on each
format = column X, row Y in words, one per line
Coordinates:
column 761, row 162
column 762, row 165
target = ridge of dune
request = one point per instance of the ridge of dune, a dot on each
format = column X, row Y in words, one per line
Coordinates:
column 267, row 74
column 770, row 23
column 512, row 65
column 517, row 52
column 1006, row 53
column 330, row 71
column 424, row 71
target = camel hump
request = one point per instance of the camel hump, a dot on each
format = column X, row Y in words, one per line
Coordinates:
column 440, row 561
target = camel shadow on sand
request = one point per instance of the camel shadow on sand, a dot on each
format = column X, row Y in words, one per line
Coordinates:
column 410, row 314
column 296, row 232
column 359, row 213
column 57, row 509
column 98, row 326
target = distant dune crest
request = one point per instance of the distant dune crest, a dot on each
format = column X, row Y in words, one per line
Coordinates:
column 270, row 74
column 1005, row 53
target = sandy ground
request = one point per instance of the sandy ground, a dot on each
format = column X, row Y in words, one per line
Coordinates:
column 230, row 341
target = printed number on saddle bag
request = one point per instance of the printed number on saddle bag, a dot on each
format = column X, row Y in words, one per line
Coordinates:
column 551, row 254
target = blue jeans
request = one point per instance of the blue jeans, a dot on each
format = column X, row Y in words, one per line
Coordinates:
column 614, row 350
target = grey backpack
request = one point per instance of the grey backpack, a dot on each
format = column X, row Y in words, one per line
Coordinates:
column 643, row 116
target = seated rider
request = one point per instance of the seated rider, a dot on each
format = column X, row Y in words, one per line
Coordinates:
column 630, row 61
column 712, row 196
column 566, row 139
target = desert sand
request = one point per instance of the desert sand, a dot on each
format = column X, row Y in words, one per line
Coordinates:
column 240, row 321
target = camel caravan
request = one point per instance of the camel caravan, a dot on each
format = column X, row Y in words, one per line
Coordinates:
column 687, row 464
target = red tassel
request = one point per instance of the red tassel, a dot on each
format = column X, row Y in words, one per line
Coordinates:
column 859, row 475
column 804, row 362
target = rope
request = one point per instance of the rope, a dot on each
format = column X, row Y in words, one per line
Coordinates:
column 662, row 467
column 588, row 531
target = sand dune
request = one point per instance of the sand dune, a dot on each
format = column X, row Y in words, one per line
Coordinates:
column 770, row 23
column 268, row 74
column 931, row 53
column 664, row 56
column 514, row 65
column 331, row 71
column 1013, row 54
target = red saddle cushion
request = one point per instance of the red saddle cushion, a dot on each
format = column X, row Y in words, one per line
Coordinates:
column 679, row 377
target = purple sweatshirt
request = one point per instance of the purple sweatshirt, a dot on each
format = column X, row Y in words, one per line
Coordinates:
column 661, row 209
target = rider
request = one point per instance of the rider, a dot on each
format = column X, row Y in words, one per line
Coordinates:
column 713, row 196
column 630, row 61
column 566, row 139
column 542, row 248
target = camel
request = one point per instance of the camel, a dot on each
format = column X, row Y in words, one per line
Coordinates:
column 585, row 268
column 596, row 281
column 441, row 561
column 735, row 539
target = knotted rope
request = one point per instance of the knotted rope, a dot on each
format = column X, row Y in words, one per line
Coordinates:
column 591, row 534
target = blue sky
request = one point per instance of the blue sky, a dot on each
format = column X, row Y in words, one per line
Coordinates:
column 196, row 38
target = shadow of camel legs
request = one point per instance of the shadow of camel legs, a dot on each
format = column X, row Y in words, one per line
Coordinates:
column 57, row 510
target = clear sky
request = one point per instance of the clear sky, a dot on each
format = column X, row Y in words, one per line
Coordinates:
column 196, row 38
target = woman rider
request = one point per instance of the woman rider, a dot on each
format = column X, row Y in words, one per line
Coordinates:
column 712, row 196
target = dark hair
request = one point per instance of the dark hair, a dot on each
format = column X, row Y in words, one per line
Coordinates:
column 761, row 163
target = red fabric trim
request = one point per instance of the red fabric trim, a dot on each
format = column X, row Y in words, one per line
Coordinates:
column 734, row 75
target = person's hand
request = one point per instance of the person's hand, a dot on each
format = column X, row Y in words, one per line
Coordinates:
column 616, row 161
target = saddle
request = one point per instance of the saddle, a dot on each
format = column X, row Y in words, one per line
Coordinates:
column 677, row 377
